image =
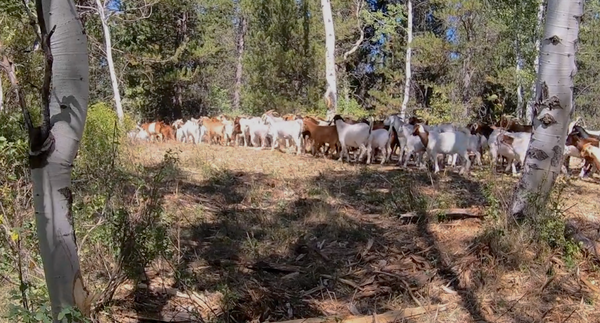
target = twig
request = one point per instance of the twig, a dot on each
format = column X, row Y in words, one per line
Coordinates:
column 387, row 317
column 359, row 4
column 568, row 317
column 403, row 282
column 512, row 306
column 345, row 281
column 32, row 20
column 454, row 212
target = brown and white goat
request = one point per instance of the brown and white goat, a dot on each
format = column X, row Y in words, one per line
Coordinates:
column 321, row 135
column 215, row 129
column 159, row 130
column 588, row 149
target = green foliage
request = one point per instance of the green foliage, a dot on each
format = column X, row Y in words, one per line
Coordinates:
column 102, row 135
column 352, row 109
column 100, row 139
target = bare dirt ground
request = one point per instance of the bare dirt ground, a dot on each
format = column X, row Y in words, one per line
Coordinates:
column 270, row 236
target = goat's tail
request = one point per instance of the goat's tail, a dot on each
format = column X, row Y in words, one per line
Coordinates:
column 371, row 122
column 393, row 130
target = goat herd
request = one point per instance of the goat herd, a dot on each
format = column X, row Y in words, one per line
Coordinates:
column 506, row 139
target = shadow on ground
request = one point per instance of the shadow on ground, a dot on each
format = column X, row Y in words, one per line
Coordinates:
column 279, row 249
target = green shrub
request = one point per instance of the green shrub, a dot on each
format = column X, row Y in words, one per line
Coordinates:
column 101, row 139
column 351, row 108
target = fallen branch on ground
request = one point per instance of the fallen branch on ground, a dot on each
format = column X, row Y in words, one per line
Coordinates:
column 592, row 247
column 450, row 213
column 387, row 317
column 206, row 302
column 174, row 317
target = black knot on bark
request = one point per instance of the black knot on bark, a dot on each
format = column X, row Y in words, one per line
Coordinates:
column 553, row 103
column 547, row 120
column 555, row 40
column 536, row 154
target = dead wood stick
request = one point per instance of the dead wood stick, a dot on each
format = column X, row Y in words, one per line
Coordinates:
column 201, row 300
column 406, row 285
column 387, row 317
column 345, row 281
column 452, row 213
column 590, row 246
column 158, row 317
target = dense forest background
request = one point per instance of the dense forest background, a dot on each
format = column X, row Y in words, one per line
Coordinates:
column 175, row 59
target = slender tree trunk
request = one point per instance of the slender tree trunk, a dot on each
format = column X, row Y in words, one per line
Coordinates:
column 331, row 92
column 408, row 60
column 519, row 69
column 552, row 109
column 240, row 55
column 7, row 65
column 1, row 96
column 109, row 58
column 53, row 147
column 536, row 62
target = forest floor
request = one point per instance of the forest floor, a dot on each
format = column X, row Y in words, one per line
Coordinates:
column 271, row 236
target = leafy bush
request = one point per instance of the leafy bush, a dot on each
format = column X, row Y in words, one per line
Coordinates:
column 351, row 108
column 101, row 138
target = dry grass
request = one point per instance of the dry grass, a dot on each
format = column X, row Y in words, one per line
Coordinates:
column 281, row 236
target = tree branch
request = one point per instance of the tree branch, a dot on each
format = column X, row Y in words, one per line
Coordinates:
column 9, row 68
column 359, row 4
column 32, row 20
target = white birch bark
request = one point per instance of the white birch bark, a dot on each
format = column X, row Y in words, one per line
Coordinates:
column 536, row 62
column 240, row 56
column 552, row 109
column 519, row 69
column 331, row 92
column 1, row 96
column 51, row 163
column 408, row 60
column 109, row 59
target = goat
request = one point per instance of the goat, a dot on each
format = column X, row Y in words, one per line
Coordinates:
column 513, row 146
column 379, row 138
column 351, row 135
column 453, row 142
column 320, row 135
column 474, row 147
column 291, row 117
column 414, row 145
column 158, row 130
column 140, row 134
column 191, row 130
column 245, row 127
column 586, row 134
column 214, row 128
column 578, row 140
column 179, row 133
column 400, row 138
column 228, row 131
column 285, row 130
column 414, row 120
column 512, row 125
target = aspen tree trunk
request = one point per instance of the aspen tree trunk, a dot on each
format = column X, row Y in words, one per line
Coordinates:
column 109, row 59
column 53, row 147
column 408, row 60
column 519, row 69
column 552, row 109
column 240, row 55
column 331, row 92
column 536, row 62
column 1, row 96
